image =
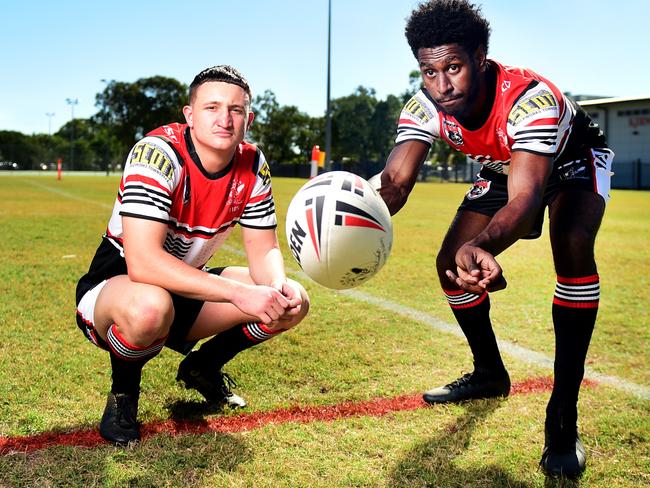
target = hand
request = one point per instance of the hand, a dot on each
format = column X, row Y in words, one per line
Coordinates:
column 265, row 303
column 477, row 270
column 291, row 292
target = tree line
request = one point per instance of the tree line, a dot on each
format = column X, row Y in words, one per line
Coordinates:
column 363, row 128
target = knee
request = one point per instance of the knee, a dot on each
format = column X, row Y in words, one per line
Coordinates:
column 149, row 316
column 575, row 246
column 445, row 260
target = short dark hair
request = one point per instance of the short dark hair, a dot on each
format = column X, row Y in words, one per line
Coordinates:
column 224, row 73
column 439, row 22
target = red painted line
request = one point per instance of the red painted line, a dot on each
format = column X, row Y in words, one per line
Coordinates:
column 243, row 422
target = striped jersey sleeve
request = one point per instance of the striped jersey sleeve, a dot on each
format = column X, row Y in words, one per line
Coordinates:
column 535, row 123
column 259, row 212
column 151, row 174
column 418, row 121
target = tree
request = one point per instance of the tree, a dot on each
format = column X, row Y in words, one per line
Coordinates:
column 284, row 133
column 21, row 149
column 351, row 138
column 363, row 128
column 130, row 110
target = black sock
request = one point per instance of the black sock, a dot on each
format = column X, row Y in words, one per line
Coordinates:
column 575, row 306
column 473, row 315
column 126, row 375
column 216, row 352
column 127, row 360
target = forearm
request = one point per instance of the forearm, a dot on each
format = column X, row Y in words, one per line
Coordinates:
column 400, row 174
column 509, row 224
column 267, row 268
column 161, row 269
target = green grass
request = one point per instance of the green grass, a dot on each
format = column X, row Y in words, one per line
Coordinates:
column 51, row 378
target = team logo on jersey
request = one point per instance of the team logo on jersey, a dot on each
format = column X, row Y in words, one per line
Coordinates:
column 527, row 107
column 235, row 195
column 454, row 132
column 503, row 139
column 265, row 173
column 417, row 110
column 505, row 85
column 480, row 188
column 146, row 154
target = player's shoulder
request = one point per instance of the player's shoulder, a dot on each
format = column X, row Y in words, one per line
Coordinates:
column 419, row 109
column 173, row 134
column 158, row 153
column 250, row 155
column 516, row 82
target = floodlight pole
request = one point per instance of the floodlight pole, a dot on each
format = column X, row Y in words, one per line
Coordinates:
column 328, row 113
column 49, row 116
column 72, row 102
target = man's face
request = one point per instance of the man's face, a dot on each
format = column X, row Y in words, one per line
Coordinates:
column 218, row 115
column 451, row 76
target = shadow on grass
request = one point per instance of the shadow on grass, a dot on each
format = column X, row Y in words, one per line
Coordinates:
column 192, row 410
column 161, row 460
column 431, row 463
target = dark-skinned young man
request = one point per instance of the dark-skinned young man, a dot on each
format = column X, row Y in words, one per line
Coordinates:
column 538, row 150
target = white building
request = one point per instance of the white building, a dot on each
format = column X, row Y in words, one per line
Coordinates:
column 626, row 123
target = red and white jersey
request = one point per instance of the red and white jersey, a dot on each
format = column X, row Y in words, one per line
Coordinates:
column 164, row 181
column 529, row 113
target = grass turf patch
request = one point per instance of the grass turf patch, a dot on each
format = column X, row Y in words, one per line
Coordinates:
column 53, row 379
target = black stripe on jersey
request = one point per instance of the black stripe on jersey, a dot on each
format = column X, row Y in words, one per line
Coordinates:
column 179, row 158
column 142, row 193
column 532, row 84
column 263, row 205
column 260, row 227
column 540, row 138
column 405, row 128
column 171, row 245
column 143, row 217
column 200, row 232
column 138, row 201
column 528, row 131
column 259, row 215
column 256, row 161
column 140, row 190
column 177, row 243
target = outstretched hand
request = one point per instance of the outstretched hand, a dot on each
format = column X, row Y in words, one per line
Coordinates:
column 476, row 271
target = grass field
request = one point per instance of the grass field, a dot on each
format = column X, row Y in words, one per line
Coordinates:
column 352, row 348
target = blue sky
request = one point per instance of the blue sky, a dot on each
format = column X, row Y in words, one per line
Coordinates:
column 57, row 50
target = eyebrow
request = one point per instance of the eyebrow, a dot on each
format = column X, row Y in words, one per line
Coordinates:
column 449, row 59
column 218, row 102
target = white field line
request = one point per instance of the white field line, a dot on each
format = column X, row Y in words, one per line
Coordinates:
column 513, row 350
column 66, row 194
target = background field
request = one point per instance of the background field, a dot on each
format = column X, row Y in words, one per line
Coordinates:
column 349, row 349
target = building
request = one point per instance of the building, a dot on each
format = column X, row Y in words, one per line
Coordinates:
column 626, row 123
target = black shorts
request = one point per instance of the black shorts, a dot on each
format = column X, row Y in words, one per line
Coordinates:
column 590, row 172
column 186, row 311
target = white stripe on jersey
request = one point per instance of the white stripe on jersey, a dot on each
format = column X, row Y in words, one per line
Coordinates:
column 259, row 210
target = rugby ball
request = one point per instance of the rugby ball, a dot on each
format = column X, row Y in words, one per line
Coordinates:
column 339, row 230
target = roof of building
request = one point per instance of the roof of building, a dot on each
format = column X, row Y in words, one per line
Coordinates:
column 608, row 101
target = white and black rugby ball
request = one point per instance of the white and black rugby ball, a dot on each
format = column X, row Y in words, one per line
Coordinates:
column 339, row 230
